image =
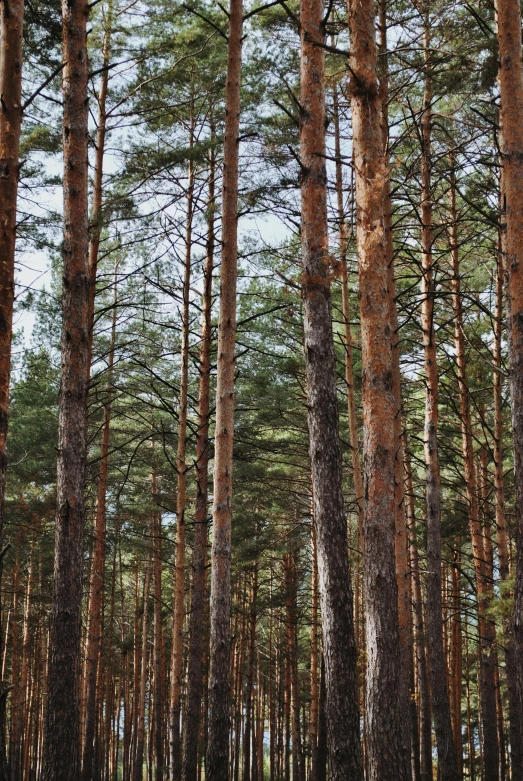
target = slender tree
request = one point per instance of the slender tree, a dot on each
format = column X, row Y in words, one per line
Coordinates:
column 11, row 34
column 487, row 634
column 97, row 575
column 219, row 681
column 440, row 699
column 181, row 494
column 196, row 621
column 511, row 92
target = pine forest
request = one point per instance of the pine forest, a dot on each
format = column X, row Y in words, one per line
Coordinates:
column 261, row 390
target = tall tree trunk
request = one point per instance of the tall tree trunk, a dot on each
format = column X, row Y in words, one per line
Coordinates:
column 314, row 677
column 24, row 706
column 11, row 34
column 159, row 664
column 249, row 689
column 194, row 673
column 181, row 494
column 142, row 680
column 485, row 625
column 324, row 446
column 109, row 671
column 62, row 740
column 97, row 203
column 97, row 579
column 405, row 693
column 347, row 335
column 292, row 625
column 425, row 725
column 516, row 752
column 470, row 730
column 387, row 758
column 322, row 728
column 511, row 92
column 15, row 736
column 447, row 758
column 219, row 683
column 456, row 656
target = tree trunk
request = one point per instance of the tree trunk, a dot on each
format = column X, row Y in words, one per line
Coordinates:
column 97, row 204
column 447, row 758
column 322, row 729
column 142, row 680
column 97, row 580
column 387, row 758
column 11, row 34
column 62, row 741
column 425, row 725
column 405, row 693
column 249, row 689
column 219, row 684
column 15, row 736
column 456, row 656
column 159, row 664
column 324, row 447
column 511, row 92
column 314, row 677
column 516, row 753
column 347, row 335
column 181, row 495
column 194, row 673
column 485, row 625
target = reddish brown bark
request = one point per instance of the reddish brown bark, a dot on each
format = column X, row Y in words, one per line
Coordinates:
column 325, row 454
column 11, row 33
column 516, row 755
column 219, row 684
column 62, row 743
column 386, row 756
column 511, row 92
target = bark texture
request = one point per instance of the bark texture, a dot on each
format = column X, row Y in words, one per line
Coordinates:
column 339, row 647
column 516, row 754
column 11, row 32
column 511, row 92
column 61, row 746
column 217, row 765
column 384, row 740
